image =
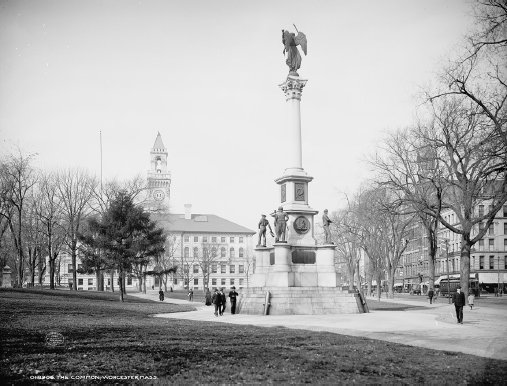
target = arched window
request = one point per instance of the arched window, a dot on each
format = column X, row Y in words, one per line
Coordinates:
column 186, row 252
column 231, row 253
column 241, row 252
column 196, row 252
column 222, row 252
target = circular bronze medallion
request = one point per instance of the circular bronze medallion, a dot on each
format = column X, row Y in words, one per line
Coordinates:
column 301, row 225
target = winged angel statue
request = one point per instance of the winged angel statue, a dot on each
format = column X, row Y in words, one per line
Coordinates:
column 290, row 42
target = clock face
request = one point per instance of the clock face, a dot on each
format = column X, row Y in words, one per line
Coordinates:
column 158, row 195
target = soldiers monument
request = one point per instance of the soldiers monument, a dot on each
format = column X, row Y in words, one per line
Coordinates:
column 295, row 276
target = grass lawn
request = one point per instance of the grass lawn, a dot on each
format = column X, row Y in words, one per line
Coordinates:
column 107, row 338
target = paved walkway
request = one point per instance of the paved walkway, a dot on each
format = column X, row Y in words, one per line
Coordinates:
column 483, row 333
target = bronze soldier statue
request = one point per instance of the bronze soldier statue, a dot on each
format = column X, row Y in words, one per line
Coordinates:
column 281, row 219
column 263, row 223
column 325, row 223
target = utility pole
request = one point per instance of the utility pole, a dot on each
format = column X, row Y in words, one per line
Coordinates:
column 448, row 280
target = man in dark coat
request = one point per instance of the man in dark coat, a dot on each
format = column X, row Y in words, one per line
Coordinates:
column 232, row 296
column 222, row 301
column 430, row 295
column 215, row 299
column 459, row 301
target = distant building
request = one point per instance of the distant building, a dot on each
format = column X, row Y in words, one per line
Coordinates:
column 230, row 250
column 188, row 235
column 488, row 257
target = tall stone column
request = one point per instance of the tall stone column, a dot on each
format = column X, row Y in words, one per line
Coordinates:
column 294, row 182
column 293, row 88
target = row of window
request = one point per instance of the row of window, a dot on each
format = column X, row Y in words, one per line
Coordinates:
column 491, row 244
column 214, row 281
column 214, row 268
column 90, row 281
column 213, row 239
column 214, row 252
column 452, row 218
column 491, row 229
column 481, row 210
column 492, row 262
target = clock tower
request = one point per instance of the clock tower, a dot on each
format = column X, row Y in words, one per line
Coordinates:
column 159, row 179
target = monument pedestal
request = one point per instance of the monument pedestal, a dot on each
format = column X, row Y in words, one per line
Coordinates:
column 300, row 279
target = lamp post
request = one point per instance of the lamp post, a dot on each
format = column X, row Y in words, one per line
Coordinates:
column 498, row 269
column 447, row 259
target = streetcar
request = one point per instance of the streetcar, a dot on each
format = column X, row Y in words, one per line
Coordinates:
column 449, row 287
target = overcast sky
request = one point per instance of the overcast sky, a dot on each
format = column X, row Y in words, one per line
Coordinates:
column 205, row 74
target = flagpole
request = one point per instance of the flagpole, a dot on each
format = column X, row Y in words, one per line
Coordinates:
column 101, row 163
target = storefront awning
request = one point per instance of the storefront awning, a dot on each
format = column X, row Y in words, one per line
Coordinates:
column 490, row 277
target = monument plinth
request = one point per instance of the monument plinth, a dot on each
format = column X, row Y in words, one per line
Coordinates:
column 299, row 275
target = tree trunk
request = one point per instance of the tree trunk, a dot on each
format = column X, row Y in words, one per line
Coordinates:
column 465, row 267
column 124, row 283
column 351, row 277
column 120, row 285
column 360, row 289
column 390, row 283
column 74, row 265
column 431, row 269
column 140, row 283
column 111, row 276
column 97, row 279
column 379, row 287
column 51, row 273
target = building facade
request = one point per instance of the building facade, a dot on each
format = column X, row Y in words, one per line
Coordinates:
column 488, row 257
column 206, row 243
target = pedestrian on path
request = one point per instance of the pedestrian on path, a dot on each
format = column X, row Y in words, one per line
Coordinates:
column 190, row 295
column 208, row 297
column 459, row 301
column 471, row 298
column 161, row 295
column 430, row 295
column 223, row 299
column 232, row 296
column 215, row 299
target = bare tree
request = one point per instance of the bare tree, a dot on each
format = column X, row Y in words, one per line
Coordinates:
column 17, row 178
column 345, row 233
column 50, row 212
column 409, row 170
column 75, row 191
column 469, row 169
column 478, row 72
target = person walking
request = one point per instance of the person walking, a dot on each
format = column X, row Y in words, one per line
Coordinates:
column 190, row 295
column 471, row 298
column 430, row 295
column 233, row 296
column 207, row 296
column 161, row 295
column 215, row 299
column 459, row 301
column 223, row 299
